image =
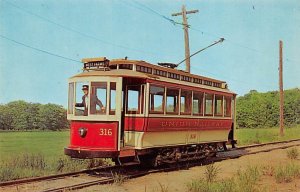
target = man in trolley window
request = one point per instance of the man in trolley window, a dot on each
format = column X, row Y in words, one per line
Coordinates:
column 93, row 102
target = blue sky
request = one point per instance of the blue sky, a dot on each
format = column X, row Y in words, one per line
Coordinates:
column 75, row 29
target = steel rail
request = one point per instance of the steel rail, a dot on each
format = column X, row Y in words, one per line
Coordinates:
column 107, row 180
column 50, row 177
column 180, row 166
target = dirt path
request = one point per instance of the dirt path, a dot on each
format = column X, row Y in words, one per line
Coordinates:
column 177, row 180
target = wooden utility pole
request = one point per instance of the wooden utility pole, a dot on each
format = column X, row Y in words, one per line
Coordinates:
column 186, row 35
column 281, row 90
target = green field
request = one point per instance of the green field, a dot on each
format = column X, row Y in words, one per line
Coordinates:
column 263, row 135
column 28, row 154
column 48, row 143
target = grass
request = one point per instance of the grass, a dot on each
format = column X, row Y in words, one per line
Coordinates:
column 118, row 178
column 47, row 143
column 244, row 181
column 28, row 154
column 286, row 174
column 31, row 154
column 263, row 135
column 292, row 153
column 211, row 172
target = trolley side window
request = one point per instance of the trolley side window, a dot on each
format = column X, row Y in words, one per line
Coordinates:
column 71, row 98
column 197, row 103
column 134, row 99
column 208, row 104
column 156, row 99
column 227, row 105
column 185, row 102
column 218, row 105
column 112, row 103
column 172, row 101
column 98, row 98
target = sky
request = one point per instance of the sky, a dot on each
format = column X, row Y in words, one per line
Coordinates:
column 43, row 41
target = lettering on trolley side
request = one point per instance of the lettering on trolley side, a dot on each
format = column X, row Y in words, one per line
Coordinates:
column 192, row 124
column 105, row 132
column 193, row 136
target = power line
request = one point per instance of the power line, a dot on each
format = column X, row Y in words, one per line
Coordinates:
column 37, row 49
column 73, row 30
column 203, row 32
column 157, row 13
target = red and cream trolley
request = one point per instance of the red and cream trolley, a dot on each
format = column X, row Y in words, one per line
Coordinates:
column 149, row 112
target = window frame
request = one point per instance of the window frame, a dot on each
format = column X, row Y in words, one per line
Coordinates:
column 163, row 100
column 190, row 104
column 71, row 98
column 176, row 108
column 107, row 95
column 140, row 109
column 212, row 105
column 215, row 105
column 230, row 106
column 110, row 111
column 201, row 107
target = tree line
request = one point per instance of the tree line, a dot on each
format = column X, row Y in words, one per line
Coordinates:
column 256, row 110
column 22, row 116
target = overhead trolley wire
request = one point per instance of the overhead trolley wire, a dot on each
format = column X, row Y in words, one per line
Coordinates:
column 206, row 33
column 74, row 30
column 157, row 13
column 37, row 49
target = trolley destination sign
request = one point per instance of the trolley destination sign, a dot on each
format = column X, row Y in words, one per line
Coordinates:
column 95, row 63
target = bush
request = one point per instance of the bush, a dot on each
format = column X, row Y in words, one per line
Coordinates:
column 287, row 173
column 292, row 153
column 219, row 186
column 211, row 172
column 118, row 178
column 246, row 180
column 33, row 165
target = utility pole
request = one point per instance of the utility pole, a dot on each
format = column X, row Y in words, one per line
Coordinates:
column 281, row 90
column 186, row 35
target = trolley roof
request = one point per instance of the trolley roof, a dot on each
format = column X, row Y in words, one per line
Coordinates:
column 101, row 66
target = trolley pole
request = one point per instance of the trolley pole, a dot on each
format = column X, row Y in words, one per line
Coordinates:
column 281, row 90
column 186, row 35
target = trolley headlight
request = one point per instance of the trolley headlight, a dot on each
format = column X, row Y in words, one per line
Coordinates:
column 82, row 132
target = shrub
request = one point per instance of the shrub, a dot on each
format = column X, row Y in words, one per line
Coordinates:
column 246, row 180
column 203, row 186
column 118, row 178
column 163, row 188
column 211, row 172
column 292, row 153
column 287, row 173
column 268, row 170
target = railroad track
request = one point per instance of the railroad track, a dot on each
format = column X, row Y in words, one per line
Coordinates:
column 111, row 174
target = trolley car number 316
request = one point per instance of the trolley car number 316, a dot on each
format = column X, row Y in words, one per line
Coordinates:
column 104, row 131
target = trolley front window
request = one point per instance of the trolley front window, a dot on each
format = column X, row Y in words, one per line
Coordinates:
column 81, row 103
column 71, row 98
column 113, row 99
column 98, row 98
column 90, row 98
